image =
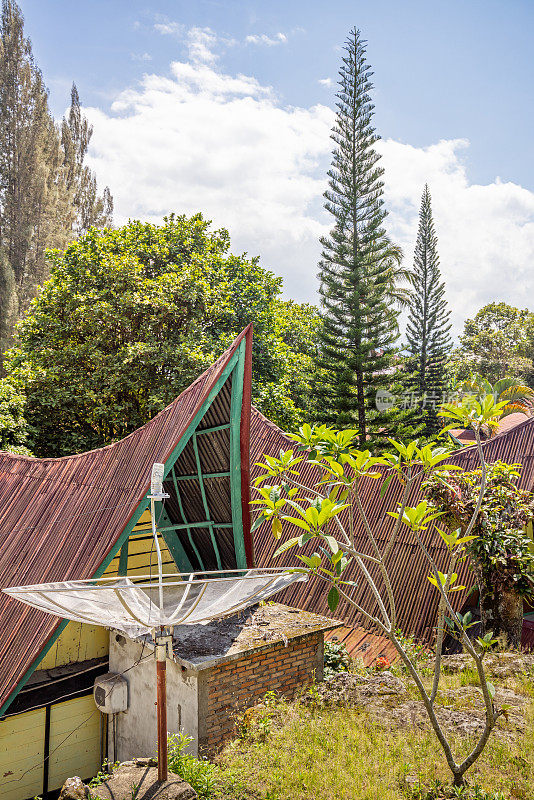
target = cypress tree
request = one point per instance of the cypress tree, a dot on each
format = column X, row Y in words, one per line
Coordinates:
column 356, row 272
column 428, row 326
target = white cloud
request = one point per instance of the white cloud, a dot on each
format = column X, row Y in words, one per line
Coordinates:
column 201, row 139
column 201, row 43
column 168, row 28
column 263, row 38
column 485, row 231
column 141, row 57
column 328, row 82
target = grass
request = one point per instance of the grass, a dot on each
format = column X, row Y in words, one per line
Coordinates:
column 289, row 751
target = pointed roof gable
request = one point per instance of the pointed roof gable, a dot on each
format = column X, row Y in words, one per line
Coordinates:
column 62, row 518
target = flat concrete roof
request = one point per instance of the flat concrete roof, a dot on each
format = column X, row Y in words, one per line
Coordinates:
column 199, row 647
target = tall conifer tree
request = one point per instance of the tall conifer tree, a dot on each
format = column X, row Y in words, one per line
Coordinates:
column 356, row 273
column 428, row 322
column 29, row 162
column 47, row 194
column 90, row 208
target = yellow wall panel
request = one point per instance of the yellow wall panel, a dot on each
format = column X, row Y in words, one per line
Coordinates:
column 75, row 740
column 78, row 642
column 21, row 753
column 141, row 555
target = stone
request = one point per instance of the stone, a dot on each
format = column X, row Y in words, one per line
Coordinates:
column 74, row 789
column 140, row 779
column 348, row 688
column 500, row 665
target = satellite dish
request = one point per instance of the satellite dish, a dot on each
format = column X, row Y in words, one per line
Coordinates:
column 132, row 605
column 154, row 605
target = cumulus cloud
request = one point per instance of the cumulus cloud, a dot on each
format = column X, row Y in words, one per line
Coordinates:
column 263, row 38
column 485, row 231
column 326, row 82
column 201, row 139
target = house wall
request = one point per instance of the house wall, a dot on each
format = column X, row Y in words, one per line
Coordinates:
column 75, row 747
column 203, row 704
column 136, row 727
column 21, row 755
column 75, row 751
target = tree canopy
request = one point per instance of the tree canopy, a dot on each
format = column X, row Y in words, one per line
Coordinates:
column 47, row 194
column 497, row 343
column 130, row 317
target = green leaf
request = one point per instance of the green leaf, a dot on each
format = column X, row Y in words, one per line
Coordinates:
column 332, row 543
column 385, row 485
column 300, row 523
column 257, row 522
column 286, row 546
column 333, row 598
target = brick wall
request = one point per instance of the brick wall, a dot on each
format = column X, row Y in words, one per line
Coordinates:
column 238, row 684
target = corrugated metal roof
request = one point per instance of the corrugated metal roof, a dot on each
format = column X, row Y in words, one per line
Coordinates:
column 415, row 597
column 364, row 645
column 61, row 517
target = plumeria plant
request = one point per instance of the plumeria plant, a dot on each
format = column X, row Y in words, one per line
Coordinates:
column 286, row 503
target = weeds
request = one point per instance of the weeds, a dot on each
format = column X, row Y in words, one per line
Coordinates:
column 199, row 773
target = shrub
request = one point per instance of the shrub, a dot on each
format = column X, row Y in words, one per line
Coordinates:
column 336, row 659
column 200, row 774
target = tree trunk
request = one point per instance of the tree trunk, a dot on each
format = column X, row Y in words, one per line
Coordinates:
column 501, row 612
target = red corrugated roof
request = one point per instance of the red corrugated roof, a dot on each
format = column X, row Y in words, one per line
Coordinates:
column 467, row 436
column 61, row 517
column 415, row 597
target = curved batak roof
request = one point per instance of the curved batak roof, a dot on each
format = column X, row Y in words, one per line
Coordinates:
column 415, row 597
column 60, row 518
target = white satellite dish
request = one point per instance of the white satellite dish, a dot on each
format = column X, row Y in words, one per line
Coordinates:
column 132, row 605
column 144, row 604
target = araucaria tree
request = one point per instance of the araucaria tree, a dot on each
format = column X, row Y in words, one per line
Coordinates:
column 428, row 326
column 359, row 332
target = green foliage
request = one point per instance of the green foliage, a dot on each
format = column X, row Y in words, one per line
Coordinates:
column 336, row 658
column 341, row 465
column 199, row 773
column 428, row 325
column 13, row 426
column 498, row 342
column 358, row 269
column 130, row 317
column 501, row 548
column 438, row 790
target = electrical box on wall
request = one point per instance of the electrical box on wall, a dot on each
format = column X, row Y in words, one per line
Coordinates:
column 111, row 693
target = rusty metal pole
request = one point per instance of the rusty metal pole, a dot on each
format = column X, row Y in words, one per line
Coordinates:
column 161, row 674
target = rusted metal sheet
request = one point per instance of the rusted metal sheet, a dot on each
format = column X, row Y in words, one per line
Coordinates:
column 364, row 645
column 61, row 517
column 415, row 597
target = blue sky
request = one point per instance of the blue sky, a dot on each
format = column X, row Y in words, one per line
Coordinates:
column 453, row 94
